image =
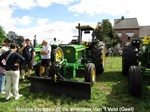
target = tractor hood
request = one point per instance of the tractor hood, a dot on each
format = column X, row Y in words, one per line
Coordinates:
column 75, row 47
column 73, row 52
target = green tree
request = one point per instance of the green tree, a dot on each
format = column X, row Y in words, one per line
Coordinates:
column 2, row 36
column 14, row 38
column 105, row 32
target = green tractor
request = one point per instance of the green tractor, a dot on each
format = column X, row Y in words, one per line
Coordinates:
column 95, row 50
column 135, row 63
column 37, row 61
column 68, row 60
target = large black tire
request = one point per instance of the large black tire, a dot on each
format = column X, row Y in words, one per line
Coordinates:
column 98, row 57
column 129, row 58
column 135, row 81
column 54, row 54
column 90, row 73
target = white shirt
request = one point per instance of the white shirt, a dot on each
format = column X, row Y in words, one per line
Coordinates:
column 48, row 55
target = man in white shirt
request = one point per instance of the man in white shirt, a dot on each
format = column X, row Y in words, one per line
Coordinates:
column 46, row 55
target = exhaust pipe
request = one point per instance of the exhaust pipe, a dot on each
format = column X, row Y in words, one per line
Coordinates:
column 34, row 41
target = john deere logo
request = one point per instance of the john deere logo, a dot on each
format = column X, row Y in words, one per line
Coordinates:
column 68, row 51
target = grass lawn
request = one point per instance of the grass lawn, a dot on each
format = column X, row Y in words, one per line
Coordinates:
column 110, row 93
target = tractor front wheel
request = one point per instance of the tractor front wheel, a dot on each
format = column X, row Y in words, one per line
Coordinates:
column 90, row 73
column 135, row 81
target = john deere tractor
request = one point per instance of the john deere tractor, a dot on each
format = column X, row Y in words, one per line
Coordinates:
column 95, row 49
column 135, row 63
column 68, row 60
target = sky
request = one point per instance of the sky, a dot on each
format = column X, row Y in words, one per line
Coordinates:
column 57, row 18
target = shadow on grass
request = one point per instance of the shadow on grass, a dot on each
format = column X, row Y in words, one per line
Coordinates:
column 112, row 76
column 3, row 99
column 120, row 97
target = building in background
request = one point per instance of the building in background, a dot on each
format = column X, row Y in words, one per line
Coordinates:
column 129, row 27
column 144, row 31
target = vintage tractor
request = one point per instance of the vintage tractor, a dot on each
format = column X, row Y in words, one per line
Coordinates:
column 95, row 49
column 135, row 63
column 69, row 59
column 37, row 61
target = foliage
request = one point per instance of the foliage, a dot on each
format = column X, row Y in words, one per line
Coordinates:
column 12, row 37
column 2, row 35
column 105, row 32
column 110, row 93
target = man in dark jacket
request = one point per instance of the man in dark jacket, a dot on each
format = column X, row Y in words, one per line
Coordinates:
column 12, row 71
column 28, row 53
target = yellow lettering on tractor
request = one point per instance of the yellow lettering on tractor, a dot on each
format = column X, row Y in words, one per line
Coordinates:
column 68, row 51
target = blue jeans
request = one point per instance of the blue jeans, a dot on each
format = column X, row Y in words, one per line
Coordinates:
column 2, row 81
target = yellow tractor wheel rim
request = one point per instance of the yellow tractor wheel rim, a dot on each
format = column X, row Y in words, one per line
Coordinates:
column 93, row 75
column 58, row 55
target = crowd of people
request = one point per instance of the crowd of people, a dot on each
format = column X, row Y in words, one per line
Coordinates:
column 11, row 62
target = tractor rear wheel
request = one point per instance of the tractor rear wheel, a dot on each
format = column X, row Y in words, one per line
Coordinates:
column 129, row 58
column 98, row 57
column 90, row 73
column 57, row 55
column 135, row 81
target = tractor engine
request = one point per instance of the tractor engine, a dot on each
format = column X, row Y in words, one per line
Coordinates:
column 74, row 53
column 74, row 56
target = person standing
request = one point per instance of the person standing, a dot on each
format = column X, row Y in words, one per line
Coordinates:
column 2, row 70
column 54, row 42
column 28, row 53
column 45, row 56
column 12, row 71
